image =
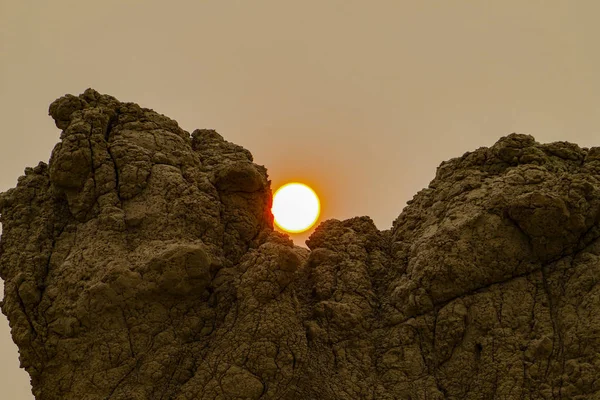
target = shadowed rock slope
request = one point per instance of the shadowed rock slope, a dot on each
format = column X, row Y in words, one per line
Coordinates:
column 141, row 263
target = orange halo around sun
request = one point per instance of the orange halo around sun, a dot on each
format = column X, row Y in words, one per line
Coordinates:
column 296, row 207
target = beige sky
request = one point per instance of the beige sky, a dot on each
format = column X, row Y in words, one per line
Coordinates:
column 361, row 99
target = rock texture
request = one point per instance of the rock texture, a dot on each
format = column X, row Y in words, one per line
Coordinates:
column 141, row 263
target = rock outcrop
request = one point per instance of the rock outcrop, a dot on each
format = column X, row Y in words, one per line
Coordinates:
column 141, row 263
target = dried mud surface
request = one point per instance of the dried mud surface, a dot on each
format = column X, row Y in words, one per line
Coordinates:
column 141, row 263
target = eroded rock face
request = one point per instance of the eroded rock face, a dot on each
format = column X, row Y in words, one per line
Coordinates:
column 141, row 263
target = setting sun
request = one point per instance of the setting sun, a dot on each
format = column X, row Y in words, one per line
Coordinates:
column 296, row 207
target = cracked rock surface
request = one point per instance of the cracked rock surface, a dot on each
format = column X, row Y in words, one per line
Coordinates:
column 141, row 263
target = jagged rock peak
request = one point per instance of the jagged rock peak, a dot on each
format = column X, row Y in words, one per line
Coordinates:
column 141, row 263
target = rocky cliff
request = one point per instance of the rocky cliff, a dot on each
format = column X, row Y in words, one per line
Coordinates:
column 141, row 263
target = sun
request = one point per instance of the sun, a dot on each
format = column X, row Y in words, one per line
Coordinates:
column 296, row 207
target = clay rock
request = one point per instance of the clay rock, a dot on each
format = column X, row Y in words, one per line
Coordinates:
column 141, row 263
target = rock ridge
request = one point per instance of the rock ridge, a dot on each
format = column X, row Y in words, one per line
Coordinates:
column 141, row 263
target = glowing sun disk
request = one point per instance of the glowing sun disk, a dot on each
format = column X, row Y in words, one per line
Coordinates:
column 296, row 207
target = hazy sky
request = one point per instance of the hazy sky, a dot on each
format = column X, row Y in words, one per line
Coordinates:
column 360, row 99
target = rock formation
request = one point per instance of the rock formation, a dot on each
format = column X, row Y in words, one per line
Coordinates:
column 141, row 263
